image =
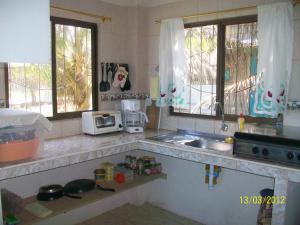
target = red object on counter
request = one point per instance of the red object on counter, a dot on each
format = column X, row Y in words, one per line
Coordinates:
column 120, row 178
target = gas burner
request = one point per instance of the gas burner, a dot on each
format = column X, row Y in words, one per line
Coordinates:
column 282, row 148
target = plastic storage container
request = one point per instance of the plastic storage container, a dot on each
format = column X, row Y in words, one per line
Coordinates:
column 19, row 142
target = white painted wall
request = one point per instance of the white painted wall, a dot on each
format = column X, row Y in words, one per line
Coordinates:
column 184, row 192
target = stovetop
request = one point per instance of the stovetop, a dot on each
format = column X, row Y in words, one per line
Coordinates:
column 280, row 146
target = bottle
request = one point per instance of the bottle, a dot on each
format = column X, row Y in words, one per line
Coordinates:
column 279, row 124
column 241, row 122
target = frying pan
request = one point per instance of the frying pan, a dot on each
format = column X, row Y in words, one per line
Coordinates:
column 52, row 192
column 82, row 186
column 108, row 73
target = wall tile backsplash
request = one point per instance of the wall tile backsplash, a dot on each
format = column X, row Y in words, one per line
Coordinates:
column 121, row 96
column 293, row 105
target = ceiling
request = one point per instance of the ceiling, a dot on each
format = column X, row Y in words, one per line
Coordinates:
column 144, row 3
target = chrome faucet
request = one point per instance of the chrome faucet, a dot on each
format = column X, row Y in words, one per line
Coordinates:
column 224, row 126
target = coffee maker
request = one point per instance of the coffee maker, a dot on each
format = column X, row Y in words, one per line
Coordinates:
column 133, row 117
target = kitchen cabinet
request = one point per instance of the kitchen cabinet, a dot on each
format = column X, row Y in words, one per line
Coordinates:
column 25, row 31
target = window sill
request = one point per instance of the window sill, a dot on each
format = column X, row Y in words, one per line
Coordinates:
column 232, row 118
column 65, row 116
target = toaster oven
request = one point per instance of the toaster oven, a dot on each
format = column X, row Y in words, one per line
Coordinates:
column 101, row 122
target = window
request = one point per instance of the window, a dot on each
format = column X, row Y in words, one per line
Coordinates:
column 30, row 88
column 241, row 49
column 66, row 87
column 201, row 52
column 222, row 60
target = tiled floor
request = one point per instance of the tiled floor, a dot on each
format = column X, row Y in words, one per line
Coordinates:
column 139, row 215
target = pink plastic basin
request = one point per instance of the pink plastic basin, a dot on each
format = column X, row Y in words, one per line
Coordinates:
column 18, row 150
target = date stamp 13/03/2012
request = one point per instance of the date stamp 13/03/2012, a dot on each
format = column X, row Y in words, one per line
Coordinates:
column 258, row 200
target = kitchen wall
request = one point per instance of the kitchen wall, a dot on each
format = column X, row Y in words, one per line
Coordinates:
column 190, row 7
column 116, row 43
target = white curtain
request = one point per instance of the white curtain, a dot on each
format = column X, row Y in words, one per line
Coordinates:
column 275, row 40
column 172, row 63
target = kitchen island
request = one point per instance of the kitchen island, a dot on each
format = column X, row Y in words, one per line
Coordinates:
column 68, row 151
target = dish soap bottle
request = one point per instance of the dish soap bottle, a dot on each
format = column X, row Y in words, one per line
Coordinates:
column 241, row 122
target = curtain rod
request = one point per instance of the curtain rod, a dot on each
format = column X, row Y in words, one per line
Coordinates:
column 103, row 18
column 221, row 11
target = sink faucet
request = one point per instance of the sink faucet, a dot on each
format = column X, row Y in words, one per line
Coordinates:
column 224, row 126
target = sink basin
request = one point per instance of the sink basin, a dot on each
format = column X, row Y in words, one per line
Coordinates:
column 207, row 144
column 195, row 139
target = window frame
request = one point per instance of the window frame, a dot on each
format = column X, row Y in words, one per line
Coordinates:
column 94, row 55
column 220, row 82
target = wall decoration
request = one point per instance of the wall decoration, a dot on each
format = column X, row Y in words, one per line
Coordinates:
column 115, row 75
column 121, row 96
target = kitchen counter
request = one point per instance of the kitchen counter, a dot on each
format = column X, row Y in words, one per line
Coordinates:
column 75, row 149
column 81, row 148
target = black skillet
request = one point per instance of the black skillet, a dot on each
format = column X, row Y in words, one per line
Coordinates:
column 52, row 192
column 82, row 186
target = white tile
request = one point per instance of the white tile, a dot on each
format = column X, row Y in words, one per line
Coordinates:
column 203, row 125
column 169, row 123
column 56, row 130
column 153, row 50
column 119, row 21
column 294, row 90
column 2, row 83
column 297, row 39
column 297, row 12
column 186, row 123
column 297, row 29
column 292, row 118
column 71, row 127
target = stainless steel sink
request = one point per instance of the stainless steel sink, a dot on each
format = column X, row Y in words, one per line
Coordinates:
column 195, row 139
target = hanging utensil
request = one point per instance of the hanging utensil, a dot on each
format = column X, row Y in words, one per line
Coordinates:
column 107, row 75
column 102, row 85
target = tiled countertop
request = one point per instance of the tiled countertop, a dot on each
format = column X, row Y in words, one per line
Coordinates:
column 80, row 148
column 75, row 149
